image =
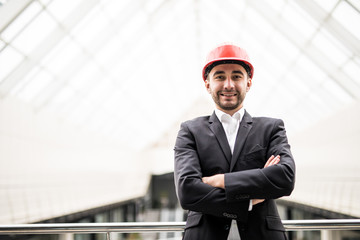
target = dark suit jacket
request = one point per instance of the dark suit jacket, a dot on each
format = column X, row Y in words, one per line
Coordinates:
column 202, row 150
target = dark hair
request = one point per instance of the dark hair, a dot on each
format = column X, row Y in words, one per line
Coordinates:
column 214, row 64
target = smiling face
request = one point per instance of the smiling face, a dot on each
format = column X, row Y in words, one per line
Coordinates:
column 228, row 85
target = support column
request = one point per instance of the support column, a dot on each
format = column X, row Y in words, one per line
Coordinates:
column 330, row 235
column 66, row 236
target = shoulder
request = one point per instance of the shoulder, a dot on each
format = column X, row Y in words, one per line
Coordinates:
column 266, row 119
column 189, row 130
column 196, row 125
column 268, row 122
column 196, row 122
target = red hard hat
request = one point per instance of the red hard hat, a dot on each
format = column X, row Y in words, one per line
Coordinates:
column 227, row 53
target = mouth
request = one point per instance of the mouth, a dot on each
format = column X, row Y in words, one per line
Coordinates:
column 228, row 94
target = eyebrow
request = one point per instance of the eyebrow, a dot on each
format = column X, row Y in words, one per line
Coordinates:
column 222, row 72
column 238, row 71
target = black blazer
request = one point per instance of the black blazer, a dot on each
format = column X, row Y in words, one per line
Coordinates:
column 201, row 150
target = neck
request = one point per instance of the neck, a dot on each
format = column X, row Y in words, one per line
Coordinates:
column 230, row 112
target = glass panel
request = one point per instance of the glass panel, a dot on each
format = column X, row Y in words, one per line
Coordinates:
column 347, row 15
column 2, row 45
column 151, row 5
column 57, row 49
column 354, row 3
column 109, row 53
column 21, row 21
column 9, row 59
column 312, row 73
column 260, row 23
column 327, row 5
column 116, row 8
column 300, row 20
column 45, row 2
column 114, row 102
column 37, row 84
column 332, row 102
column 335, row 52
column 297, row 85
column 61, row 8
column 83, row 79
column 270, row 66
column 91, row 29
column 137, row 21
column 63, row 95
column 35, row 33
column 338, row 92
column 3, row 2
column 318, row 103
column 82, row 111
column 64, row 54
column 278, row 5
column 23, row 82
column 286, row 48
column 286, row 97
column 98, row 119
column 101, row 91
column 352, row 68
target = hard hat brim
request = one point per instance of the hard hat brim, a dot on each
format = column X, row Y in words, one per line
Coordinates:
column 219, row 61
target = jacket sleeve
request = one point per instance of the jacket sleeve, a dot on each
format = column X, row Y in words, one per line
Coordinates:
column 266, row 183
column 192, row 193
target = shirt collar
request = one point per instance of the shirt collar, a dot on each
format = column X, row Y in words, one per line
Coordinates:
column 237, row 115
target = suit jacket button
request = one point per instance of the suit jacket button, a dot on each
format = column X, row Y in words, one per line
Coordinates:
column 227, row 227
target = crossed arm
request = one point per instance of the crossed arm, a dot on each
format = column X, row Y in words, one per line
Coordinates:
column 231, row 192
column 218, row 180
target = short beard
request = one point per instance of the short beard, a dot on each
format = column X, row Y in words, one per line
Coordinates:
column 216, row 98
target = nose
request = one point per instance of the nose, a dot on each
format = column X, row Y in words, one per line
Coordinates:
column 229, row 84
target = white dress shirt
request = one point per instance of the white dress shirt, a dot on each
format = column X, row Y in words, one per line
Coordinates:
column 231, row 126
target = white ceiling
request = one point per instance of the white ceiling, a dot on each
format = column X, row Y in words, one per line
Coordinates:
column 129, row 69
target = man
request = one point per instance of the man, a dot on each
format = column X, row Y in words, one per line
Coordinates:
column 231, row 166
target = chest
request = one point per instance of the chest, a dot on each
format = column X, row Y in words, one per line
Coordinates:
column 250, row 152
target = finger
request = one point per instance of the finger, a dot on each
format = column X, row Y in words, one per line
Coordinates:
column 256, row 201
column 275, row 160
column 269, row 160
column 272, row 161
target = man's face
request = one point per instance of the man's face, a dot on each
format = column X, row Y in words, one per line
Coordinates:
column 228, row 85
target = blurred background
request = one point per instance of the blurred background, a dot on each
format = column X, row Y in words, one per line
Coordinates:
column 92, row 93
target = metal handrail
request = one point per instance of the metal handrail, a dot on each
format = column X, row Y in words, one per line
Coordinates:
column 132, row 227
column 322, row 224
column 123, row 227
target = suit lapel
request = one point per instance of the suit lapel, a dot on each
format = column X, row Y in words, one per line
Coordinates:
column 217, row 128
column 244, row 129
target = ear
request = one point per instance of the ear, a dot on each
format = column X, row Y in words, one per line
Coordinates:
column 207, row 85
column 248, row 84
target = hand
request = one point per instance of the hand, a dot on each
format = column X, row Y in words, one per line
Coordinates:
column 271, row 161
column 217, row 180
column 256, row 201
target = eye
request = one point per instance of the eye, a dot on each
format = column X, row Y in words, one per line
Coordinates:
column 220, row 77
column 237, row 77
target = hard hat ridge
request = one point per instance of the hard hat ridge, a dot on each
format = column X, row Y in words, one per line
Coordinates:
column 227, row 53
